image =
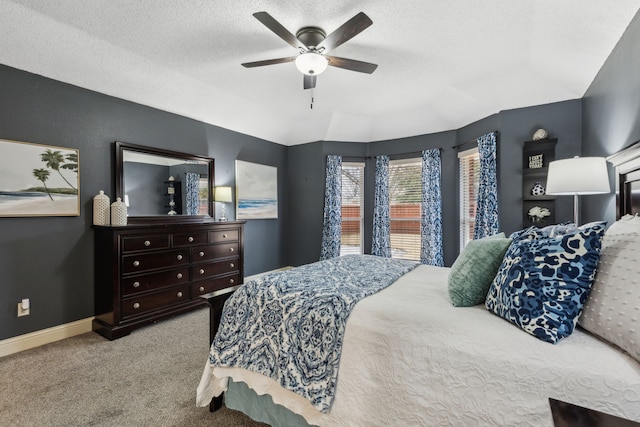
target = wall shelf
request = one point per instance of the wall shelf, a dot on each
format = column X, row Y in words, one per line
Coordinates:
column 536, row 156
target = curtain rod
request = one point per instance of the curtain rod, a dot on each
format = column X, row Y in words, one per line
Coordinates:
column 408, row 153
column 473, row 141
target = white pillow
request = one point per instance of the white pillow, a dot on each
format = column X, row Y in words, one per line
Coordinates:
column 612, row 310
column 625, row 225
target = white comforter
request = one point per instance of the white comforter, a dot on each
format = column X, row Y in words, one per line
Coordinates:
column 410, row 358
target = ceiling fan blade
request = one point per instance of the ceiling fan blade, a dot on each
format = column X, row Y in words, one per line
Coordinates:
column 352, row 64
column 269, row 62
column 280, row 31
column 309, row 81
column 347, row 31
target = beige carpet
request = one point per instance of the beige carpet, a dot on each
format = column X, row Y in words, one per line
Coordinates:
column 148, row 378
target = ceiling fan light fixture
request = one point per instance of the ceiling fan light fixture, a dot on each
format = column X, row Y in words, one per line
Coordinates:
column 311, row 63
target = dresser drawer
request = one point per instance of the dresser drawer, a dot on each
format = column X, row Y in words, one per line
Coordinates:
column 221, row 250
column 139, row 243
column 218, row 236
column 202, row 271
column 147, row 282
column 213, row 284
column 211, row 252
column 151, row 261
column 189, row 239
column 138, row 305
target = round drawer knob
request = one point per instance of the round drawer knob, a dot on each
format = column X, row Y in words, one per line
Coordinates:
column 147, row 243
column 201, row 253
column 136, row 284
column 231, row 249
column 224, row 236
column 179, row 294
column 202, row 271
column 232, row 281
column 179, row 275
column 231, row 265
column 136, row 305
column 201, row 288
column 190, row 239
column 179, row 257
column 136, row 263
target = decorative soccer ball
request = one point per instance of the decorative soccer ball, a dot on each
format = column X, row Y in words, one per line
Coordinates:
column 537, row 190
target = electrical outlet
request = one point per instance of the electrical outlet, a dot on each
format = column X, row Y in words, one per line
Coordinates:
column 24, row 308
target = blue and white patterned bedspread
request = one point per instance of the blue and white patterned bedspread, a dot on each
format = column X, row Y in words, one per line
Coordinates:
column 290, row 325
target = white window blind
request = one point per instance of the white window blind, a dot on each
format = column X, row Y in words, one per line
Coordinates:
column 469, row 162
column 352, row 208
column 405, row 194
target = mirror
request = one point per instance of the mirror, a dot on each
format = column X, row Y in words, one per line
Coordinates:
column 161, row 185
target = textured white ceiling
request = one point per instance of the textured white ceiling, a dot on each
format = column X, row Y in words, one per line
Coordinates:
column 441, row 64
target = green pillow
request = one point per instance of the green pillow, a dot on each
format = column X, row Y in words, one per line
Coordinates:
column 473, row 271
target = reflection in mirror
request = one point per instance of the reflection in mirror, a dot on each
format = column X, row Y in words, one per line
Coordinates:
column 154, row 182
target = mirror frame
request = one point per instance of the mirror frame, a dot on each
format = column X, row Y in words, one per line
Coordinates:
column 121, row 147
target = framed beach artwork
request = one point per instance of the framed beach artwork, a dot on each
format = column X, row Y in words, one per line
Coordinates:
column 256, row 191
column 38, row 180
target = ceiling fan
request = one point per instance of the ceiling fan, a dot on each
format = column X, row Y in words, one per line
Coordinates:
column 312, row 43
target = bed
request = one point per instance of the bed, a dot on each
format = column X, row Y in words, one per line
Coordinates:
column 409, row 357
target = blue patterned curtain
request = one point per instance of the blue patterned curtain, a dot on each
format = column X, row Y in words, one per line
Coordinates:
column 381, row 245
column 431, row 211
column 487, row 206
column 332, row 209
column 192, row 197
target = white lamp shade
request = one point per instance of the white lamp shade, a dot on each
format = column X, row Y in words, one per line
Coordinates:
column 311, row 63
column 579, row 175
column 222, row 194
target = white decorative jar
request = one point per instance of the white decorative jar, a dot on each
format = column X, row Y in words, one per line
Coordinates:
column 101, row 209
column 118, row 212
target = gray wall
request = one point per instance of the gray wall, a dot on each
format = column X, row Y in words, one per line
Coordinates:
column 611, row 113
column 306, row 176
column 563, row 121
column 49, row 259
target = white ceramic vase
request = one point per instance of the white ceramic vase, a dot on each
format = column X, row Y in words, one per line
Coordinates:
column 118, row 212
column 101, row 209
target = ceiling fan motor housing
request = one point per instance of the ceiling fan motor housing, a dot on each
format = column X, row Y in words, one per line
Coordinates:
column 311, row 36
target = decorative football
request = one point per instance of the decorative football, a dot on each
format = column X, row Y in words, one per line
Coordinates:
column 540, row 134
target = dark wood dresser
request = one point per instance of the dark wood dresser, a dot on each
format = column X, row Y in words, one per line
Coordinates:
column 148, row 272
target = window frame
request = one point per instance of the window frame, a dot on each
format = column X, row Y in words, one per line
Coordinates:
column 403, row 240
column 466, row 204
column 360, row 165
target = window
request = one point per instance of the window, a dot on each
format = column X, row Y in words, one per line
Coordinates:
column 352, row 208
column 405, row 199
column 469, row 180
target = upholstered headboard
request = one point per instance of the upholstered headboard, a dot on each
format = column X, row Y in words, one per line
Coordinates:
column 627, row 167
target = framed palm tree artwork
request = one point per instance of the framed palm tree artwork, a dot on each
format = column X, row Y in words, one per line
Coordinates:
column 38, row 180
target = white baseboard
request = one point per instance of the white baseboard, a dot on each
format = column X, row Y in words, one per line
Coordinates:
column 44, row 336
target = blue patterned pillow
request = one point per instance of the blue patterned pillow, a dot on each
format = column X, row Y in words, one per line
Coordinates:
column 544, row 282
